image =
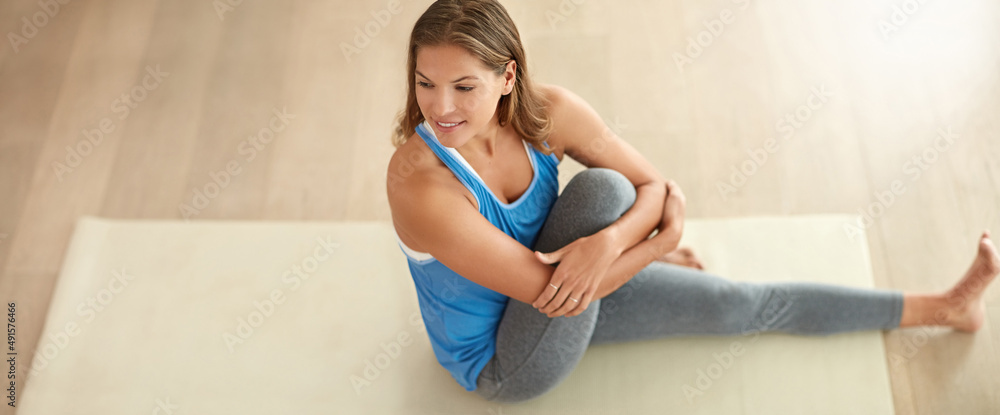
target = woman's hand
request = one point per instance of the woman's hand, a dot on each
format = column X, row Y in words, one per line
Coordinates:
column 582, row 265
column 672, row 224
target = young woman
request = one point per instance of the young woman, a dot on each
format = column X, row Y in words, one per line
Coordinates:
column 511, row 278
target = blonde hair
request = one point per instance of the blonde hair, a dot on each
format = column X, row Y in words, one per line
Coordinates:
column 484, row 29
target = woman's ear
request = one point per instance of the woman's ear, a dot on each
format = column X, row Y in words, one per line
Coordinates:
column 510, row 77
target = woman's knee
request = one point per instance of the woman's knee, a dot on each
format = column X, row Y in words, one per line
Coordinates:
column 604, row 186
column 592, row 200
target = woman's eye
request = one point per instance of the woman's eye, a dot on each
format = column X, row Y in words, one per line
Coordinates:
column 423, row 84
column 465, row 88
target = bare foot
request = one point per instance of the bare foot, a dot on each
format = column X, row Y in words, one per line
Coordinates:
column 962, row 306
column 965, row 300
column 684, row 257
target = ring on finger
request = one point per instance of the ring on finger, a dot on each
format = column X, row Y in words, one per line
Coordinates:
column 553, row 286
column 574, row 300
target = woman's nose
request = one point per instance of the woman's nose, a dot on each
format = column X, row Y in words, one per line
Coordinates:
column 444, row 104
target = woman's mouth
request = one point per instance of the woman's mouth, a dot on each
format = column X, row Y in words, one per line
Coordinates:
column 447, row 127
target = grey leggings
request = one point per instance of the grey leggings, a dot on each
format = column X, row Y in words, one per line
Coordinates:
column 535, row 353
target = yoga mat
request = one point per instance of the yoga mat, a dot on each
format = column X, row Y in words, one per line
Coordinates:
column 211, row 317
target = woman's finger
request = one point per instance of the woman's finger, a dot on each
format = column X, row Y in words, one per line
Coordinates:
column 554, row 294
column 587, row 298
column 559, row 299
column 584, row 303
column 551, row 292
column 549, row 258
column 580, row 308
column 559, row 279
column 555, row 256
column 562, row 309
column 548, row 293
column 571, row 303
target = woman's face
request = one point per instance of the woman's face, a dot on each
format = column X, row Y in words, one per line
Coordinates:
column 457, row 94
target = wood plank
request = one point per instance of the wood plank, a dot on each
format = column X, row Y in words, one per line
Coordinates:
column 149, row 174
column 95, row 76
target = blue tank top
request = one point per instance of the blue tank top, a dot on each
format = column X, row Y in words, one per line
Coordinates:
column 461, row 316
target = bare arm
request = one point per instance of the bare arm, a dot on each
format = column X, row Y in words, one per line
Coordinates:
column 635, row 259
column 447, row 226
column 580, row 133
column 585, row 138
column 667, row 237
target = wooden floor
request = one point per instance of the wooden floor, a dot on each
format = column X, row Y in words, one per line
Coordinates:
column 283, row 110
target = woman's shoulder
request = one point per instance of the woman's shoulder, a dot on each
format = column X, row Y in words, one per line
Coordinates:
column 562, row 106
column 555, row 96
column 412, row 165
column 417, row 184
column 415, row 171
column 562, row 103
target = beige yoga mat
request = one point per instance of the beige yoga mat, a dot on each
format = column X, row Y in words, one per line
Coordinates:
column 321, row 318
